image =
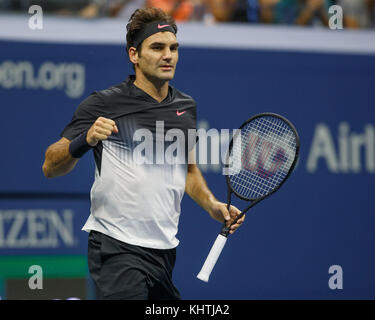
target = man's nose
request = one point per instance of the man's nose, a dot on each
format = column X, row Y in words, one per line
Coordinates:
column 167, row 54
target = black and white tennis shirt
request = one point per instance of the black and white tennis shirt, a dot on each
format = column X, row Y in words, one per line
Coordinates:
column 136, row 203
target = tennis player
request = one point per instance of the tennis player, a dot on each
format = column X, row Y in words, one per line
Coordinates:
column 135, row 208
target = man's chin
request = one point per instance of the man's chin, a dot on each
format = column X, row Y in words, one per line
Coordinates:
column 161, row 76
column 166, row 77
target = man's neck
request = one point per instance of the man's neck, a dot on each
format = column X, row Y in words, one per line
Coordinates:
column 156, row 89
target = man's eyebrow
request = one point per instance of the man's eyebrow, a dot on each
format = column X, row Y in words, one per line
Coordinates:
column 163, row 44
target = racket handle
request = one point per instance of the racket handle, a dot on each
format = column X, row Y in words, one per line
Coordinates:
column 212, row 257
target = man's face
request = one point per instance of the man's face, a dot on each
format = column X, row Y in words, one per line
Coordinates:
column 159, row 56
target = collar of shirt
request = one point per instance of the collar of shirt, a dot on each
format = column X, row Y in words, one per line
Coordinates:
column 139, row 93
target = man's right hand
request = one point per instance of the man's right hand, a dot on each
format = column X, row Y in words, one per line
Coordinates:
column 100, row 130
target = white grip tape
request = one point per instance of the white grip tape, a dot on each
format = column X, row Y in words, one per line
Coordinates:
column 212, row 257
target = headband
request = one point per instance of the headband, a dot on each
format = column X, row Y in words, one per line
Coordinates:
column 149, row 29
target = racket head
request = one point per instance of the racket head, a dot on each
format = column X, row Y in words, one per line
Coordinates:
column 267, row 154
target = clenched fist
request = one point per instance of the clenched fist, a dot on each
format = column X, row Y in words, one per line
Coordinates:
column 100, row 130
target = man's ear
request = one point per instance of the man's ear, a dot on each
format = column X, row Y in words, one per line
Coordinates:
column 133, row 55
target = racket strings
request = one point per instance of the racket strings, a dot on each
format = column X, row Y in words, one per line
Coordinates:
column 261, row 156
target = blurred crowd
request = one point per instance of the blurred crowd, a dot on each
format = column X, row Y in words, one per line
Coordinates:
column 356, row 13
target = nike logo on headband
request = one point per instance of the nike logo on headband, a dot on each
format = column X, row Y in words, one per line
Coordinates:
column 162, row 26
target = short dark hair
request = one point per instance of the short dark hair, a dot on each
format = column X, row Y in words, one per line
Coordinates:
column 140, row 18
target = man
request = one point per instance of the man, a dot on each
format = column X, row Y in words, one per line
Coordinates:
column 135, row 208
column 314, row 9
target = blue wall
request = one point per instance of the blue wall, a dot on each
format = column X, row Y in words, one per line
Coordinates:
column 322, row 216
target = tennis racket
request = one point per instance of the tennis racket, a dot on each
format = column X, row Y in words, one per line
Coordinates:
column 262, row 154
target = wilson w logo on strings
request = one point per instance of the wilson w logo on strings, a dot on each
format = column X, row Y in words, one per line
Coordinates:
column 259, row 154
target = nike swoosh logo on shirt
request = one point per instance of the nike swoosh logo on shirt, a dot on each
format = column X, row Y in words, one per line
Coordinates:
column 180, row 113
column 162, row 26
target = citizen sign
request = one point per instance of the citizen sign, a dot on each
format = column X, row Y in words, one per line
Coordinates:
column 36, row 228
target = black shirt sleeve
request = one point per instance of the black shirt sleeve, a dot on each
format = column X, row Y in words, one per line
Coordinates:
column 84, row 117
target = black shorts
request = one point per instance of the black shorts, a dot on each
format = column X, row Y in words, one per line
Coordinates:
column 124, row 271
